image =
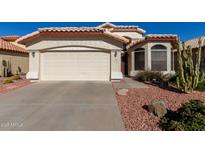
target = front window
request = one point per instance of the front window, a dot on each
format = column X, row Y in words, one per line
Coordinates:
column 159, row 58
column 139, row 59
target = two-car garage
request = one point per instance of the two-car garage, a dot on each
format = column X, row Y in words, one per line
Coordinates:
column 75, row 65
column 80, row 54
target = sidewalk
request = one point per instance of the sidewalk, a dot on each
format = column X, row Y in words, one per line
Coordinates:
column 128, row 83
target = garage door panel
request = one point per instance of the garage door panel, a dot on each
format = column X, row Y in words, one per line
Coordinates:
column 75, row 66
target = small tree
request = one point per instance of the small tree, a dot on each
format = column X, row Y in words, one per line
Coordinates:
column 4, row 64
column 6, row 68
column 188, row 70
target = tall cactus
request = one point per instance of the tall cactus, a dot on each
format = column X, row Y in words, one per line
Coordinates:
column 188, row 71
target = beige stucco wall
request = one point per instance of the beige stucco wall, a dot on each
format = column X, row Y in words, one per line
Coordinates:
column 75, row 44
column 116, row 65
column 34, row 62
column 16, row 60
column 147, row 48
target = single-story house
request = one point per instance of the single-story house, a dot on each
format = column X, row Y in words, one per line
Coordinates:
column 13, row 55
column 106, row 52
column 193, row 43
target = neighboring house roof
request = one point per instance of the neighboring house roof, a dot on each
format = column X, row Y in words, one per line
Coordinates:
column 153, row 37
column 11, row 38
column 193, row 43
column 116, row 28
column 10, row 47
column 59, row 31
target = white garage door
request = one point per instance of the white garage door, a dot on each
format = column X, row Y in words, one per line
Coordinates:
column 86, row 65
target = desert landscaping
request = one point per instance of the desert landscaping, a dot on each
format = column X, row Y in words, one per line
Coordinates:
column 132, row 106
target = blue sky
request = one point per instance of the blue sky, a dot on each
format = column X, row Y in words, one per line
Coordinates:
column 186, row 30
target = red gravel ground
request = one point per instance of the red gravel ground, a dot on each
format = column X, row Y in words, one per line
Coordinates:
column 135, row 117
column 4, row 88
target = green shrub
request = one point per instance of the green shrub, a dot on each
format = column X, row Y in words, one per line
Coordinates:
column 173, row 79
column 190, row 117
column 149, row 76
column 201, row 86
column 7, row 81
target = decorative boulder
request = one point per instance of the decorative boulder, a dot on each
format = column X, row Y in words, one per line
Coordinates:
column 157, row 107
column 122, row 92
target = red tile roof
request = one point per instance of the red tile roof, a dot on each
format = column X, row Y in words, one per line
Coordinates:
column 70, row 30
column 10, row 47
column 135, row 42
column 10, row 38
column 193, row 43
column 115, row 28
column 117, row 37
column 128, row 29
column 153, row 37
column 107, row 25
column 105, row 29
column 161, row 36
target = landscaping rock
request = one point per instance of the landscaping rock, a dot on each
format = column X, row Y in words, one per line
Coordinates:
column 133, row 106
column 157, row 107
column 122, row 92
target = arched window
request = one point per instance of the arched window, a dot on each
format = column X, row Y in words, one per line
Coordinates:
column 159, row 58
column 139, row 56
column 159, row 47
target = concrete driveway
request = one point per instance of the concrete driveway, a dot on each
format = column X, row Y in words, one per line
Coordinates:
column 60, row 106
